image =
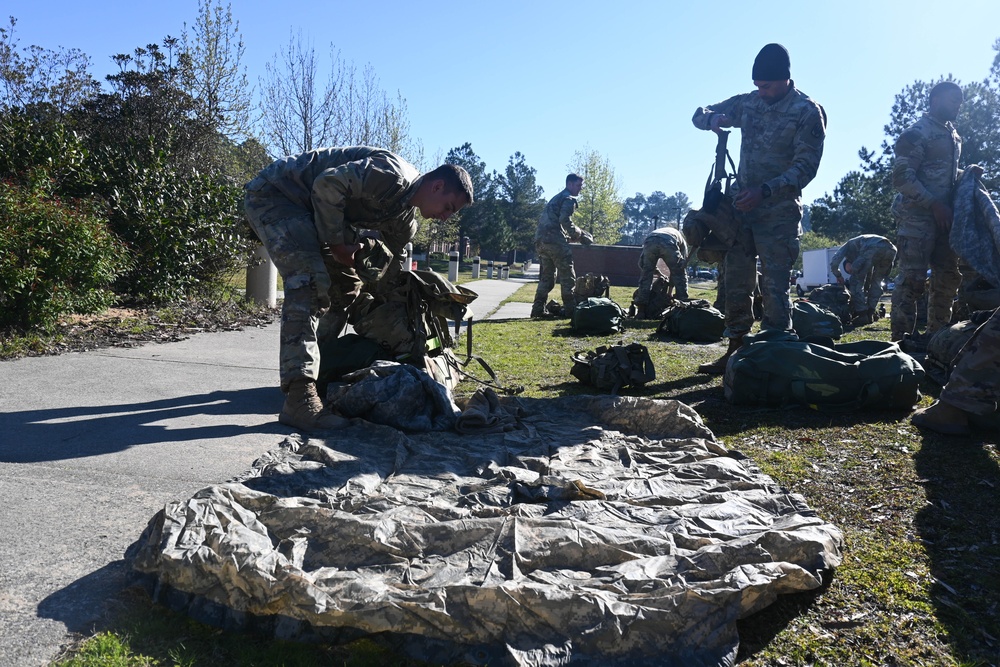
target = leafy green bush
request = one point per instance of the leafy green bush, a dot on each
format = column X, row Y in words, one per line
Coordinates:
column 183, row 229
column 55, row 258
column 43, row 153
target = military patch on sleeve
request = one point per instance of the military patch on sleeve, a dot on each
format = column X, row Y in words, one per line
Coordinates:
column 818, row 132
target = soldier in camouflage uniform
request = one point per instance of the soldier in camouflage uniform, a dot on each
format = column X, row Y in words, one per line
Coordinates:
column 973, row 387
column 309, row 211
column 668, row 244
column 924, row 172
column 868, row 259
column 782, row 142
column 555, row 231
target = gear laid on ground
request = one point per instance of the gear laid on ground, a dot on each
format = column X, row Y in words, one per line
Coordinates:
column 604, row 530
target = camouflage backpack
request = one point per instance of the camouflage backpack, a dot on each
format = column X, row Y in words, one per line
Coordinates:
column 409, row 319
column 944, row 346
column 590, row 285
column 614, row 367
column 659, row 298
column 835, row 298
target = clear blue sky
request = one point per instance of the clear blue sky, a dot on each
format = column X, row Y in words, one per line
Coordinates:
column 552, row 78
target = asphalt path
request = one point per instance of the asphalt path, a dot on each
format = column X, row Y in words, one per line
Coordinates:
column 93, row 444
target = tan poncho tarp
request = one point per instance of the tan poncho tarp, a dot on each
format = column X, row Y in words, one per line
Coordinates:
column 606, row 530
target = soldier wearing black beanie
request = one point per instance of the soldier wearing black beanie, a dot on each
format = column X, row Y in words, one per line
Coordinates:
column 772, row 64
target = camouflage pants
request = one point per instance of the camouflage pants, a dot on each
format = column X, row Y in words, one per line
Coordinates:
column 974, row 384
column 916, row 254
column 870, row 269
column 659, row 247
column 772, row 235
column 552, row 258
column 318, row 289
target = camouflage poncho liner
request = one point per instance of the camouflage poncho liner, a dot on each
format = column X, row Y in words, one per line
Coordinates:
column 640, row 541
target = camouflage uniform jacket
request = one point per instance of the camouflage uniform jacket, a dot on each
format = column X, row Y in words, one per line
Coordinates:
column 351, row 188
column 926, row 165
column 556, row 224
column 856, row 247
column 781, row 143
column 670, row 235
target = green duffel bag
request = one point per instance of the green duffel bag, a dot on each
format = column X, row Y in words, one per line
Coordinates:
column 810, row 320
column 694, row 320
column 597, row 316
column 776, row 370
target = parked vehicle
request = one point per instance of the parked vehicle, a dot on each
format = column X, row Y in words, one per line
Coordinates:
column 815, row 270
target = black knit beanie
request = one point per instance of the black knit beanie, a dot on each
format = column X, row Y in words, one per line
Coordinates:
column 772, row 64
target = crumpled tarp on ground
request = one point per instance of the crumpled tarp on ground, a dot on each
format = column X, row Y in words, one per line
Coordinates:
column 637, row 542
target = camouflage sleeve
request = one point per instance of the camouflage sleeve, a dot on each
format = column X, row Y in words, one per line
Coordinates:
column 566, row 212
column 330, row 192
column 810, row 133
column 401, row 232
column 910, row 148
column 837, row 258
column 733, row 108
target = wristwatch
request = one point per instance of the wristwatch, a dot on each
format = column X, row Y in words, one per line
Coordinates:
column 765, row 191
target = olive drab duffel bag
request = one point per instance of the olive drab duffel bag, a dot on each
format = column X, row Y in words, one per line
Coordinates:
column 774, row 369
column 694, row 320
column 614, row 367
column 597, row 316
column 834, row 297
column 811, row 320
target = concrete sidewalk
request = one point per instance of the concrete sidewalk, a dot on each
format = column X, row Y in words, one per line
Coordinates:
column 93, row 444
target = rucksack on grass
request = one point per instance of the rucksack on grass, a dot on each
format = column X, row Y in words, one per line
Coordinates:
column 695, row 320
column 776, row 370
column 810, row 320
column 614, row 367
column 591, row 284
column 597, row 316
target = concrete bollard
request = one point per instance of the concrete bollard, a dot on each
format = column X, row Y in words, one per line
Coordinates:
column 504, row 273
column 453, row 266
column 408, row 263
column 489, row 269
column 475, row 267
column 262, row 279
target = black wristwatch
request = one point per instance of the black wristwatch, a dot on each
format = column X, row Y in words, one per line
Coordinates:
column 765, row 191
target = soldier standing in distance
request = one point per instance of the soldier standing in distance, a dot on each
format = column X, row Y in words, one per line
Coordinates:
column 924, row 173
column 868, row 259
column 308, row 210
column 668, row 244
column 782, row 132
column 555, row 231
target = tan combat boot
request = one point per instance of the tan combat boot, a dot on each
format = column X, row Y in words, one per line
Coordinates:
column 718, row 367
column 304, row 410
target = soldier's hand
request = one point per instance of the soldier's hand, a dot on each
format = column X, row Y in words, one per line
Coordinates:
column 942, row 215
column 719, row 121
column 344, row 252
column 748, row 199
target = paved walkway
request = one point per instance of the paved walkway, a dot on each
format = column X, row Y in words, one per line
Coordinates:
column 93, row 444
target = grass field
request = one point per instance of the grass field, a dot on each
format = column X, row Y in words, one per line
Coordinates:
column 920, row 582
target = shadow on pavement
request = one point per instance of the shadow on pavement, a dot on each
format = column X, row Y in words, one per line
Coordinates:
column 78, row 432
